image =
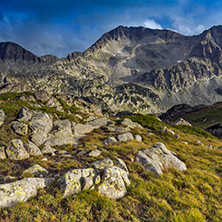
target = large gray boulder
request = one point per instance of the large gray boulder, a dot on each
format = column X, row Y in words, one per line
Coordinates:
column 41, row 125
column 110, row 140
column 20, row 128
column 16, row 150
column 2, row 117
column 24, row 114
column 158, row 158
column 32, row 149
column 21, row 191
column 74, row 181
column 61, row 134
column 114, row 182
column 125, row 137
column 82, row 129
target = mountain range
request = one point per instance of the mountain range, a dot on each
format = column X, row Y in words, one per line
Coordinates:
column 129, row 68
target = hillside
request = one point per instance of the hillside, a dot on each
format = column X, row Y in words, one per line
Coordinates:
column 183, row 186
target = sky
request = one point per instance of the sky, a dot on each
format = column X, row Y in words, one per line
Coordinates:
column 59, row 27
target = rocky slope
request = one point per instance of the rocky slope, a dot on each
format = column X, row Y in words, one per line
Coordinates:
column 130, row 68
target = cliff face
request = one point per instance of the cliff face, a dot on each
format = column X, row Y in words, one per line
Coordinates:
column 135, row 68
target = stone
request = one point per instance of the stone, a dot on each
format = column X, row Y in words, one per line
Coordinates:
column 35, row 171
column 114, row 183
column 74, row 181
column 138, row 138
column 94, row 153
column 167, row 131
column 2, row 153
column 102, row 164
column 125, row 137
column 117, row 130
column 24, row 114
column 122, row 164
column 131, row 124
column 21, row 191
column 42, row 96
column 40, row 125
column 97, row 123
column 48, row 150
column 16, row 150
column 159, row 158
column 32, row 149
column 219, row 148
column 20, row 128
column 197, row 142
column 181, row 121
column 2, row 116
column 82, row 129
column 53, row 102
column 81, row 153
column 110, row 140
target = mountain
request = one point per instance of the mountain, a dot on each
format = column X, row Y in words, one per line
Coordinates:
column 129, row 68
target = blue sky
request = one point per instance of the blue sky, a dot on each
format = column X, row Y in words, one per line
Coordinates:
column 61, row 26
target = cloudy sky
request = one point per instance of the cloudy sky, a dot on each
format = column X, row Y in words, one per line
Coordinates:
column 61, row 26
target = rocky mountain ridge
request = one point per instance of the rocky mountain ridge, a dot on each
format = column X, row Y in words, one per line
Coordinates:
column 129, row 68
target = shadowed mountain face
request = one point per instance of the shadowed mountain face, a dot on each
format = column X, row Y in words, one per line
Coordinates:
column 135, row 68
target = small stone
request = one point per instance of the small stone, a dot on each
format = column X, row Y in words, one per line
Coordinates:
column 36, row 171
column 94, row 153
column 110, row 140
column 181, row 121
column 125, row 137
column 131, row 124
column 32, row 149
column 197, row 142
column 138, row 138
column 122, row 164
column 24, row 114
column 48, row 150
column 44, row 159
column 2, row 117
column 82, row 153
column 20, row 128
column 102, row 164
column 2, row 153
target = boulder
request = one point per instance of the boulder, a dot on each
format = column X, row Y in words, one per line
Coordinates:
column 2, row 153
column 21, row 191
column 24, row 114
column 110, row 140
column 125, row 137
column 159, row 158
column 40, row 125
column 182, row 121
column 74, row 181
column 48, row 150
column 20, row 128
column 94, row 153
column 102, row 164
column 2, row 117
column 82, row 129
column 129, row 123
column 35, row 171
column 138, row 138
column 122, row 164
column 97, row 123
column 16, row 150
column 114, row 182
column 42, row 96
column 117, row 130
column 32, row 149
column 167, row 131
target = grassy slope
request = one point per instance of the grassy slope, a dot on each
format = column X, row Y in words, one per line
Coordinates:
column 194, row 195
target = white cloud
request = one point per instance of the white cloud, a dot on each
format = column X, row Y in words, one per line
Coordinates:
column 149, row 23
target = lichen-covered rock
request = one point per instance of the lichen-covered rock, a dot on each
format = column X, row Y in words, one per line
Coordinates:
column 2, row 117
column 82, row 129
column 32, row 149
column 114, row 182
column 2, row 153
column 138, row 138
column 21, row 191
column 122, row 164
column 102, row 164
column 125, row 137
column 40, row 125
column 94, row 153
column 75, row 181
column 97, row 123
column 42, row 96
column 131, row 124
column 35, row 171
column 24, row 114
column 110, row 140
column 20, row 128
column 167, row 131
column 158, row 158
column 16, row 150
column 48, row 150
